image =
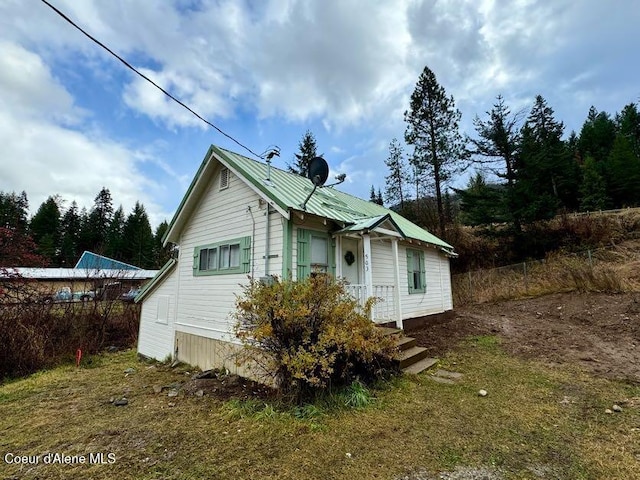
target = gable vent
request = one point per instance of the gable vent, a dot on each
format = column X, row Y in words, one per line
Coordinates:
column 224, row 178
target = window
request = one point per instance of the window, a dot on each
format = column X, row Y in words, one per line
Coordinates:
column 162, row 314
column 315, row 253
column 416, row 271
column 232, row 256
column 224, row 178
column 319, row 254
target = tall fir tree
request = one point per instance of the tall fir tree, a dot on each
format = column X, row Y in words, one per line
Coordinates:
column 45, row 229
column 623, row 172
column 307, row 150
column 99, row 220
column 593, row 190
column 396, row 182
column 498, row 141
column 114, row 241
column 70, row 229
column 14, row 211
column 433, row 130
column 596, row 138
column 628, row 125
column 547, row 175
column 139, row 240
column 161, row 254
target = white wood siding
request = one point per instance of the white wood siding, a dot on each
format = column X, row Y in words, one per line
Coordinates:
column 437, row 297
column 206, row 302
column 155, row 339
column 382, row 262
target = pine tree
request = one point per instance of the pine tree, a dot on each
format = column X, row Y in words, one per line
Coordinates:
column 162, row 254
column 498, row 142
column 432, row 128
column 307, row 151
column 628, row 125
column 99, row 220
column 114, row 242
column 139, row 241
column 396, row 181
column 597, row 136
column 593, row 191
column 379, row 199
column 547, row 175
column 372, row 195
column 623, row 173
column 45, row 229
column 70, row 227
column 14, row 211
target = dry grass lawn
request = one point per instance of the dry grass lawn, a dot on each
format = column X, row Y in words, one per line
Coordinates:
column 536, row 422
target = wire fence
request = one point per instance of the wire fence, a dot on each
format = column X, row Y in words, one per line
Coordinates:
column 610, row 269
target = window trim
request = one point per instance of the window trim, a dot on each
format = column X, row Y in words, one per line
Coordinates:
column 411, row 272
column 243, row 257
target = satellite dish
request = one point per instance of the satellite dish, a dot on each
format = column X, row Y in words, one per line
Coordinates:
column 318, row 171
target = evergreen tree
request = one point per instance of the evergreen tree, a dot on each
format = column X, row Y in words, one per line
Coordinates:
column 45, row 229
column 628, row 125
column 379, row 199
column 481, row 203
column 162, row 254
column 139, row 241
column 307, row 151
column 14, row 211
column 498, row 141
column 70, row 227
column 115, row 235
column 432, row 128
column 372, row 195
column 596, row 137
column 623, row 174
column 593, row 191
column 396, row 181
column 99, row 220
column 547, row 176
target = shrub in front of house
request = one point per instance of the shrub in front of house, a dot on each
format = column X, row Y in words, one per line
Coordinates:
column 310, row 335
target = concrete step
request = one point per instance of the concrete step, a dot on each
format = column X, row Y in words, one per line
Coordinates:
column 390, row 331
column 405, row 343
column 420, row 366
column 411, row 355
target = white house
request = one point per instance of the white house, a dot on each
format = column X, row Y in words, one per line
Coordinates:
column 242, row 218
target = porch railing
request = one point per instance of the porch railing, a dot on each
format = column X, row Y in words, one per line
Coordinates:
column 384, row 309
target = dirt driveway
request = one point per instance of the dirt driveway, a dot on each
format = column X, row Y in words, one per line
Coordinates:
column 599, row 332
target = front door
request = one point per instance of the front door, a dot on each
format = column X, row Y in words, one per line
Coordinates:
column 350, row 260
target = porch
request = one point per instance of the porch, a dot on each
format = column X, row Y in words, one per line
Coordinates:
column 384, row 310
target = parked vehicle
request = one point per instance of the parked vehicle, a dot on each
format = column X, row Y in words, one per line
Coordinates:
column 131, row 295
column 65, row 294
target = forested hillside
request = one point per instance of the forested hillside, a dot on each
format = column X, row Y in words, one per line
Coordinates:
column 59, row 232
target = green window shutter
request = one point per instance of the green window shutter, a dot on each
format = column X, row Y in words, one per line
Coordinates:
column 410, row 271
column 303, row 260
column 245, row 247
column 423, row 274
column 196, row 260
column 332, row 256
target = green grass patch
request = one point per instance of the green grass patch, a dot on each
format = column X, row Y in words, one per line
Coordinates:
column 536, row 422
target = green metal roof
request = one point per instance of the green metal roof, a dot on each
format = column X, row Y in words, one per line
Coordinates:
column 288, row 191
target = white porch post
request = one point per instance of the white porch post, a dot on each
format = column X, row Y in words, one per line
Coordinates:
column 338, row 259
column 396, row 290
column 368, row 272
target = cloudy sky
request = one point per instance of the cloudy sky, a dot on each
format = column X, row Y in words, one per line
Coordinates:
column 74, row 119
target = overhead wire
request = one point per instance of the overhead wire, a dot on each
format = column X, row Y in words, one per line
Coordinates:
column 137, row 72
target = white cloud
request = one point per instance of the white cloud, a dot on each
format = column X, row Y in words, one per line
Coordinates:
column 44, row 156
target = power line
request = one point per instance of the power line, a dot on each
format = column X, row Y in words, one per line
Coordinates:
column 130, row 67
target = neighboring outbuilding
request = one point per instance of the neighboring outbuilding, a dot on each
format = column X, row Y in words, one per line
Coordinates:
column 241, row 218
column 94, row 273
